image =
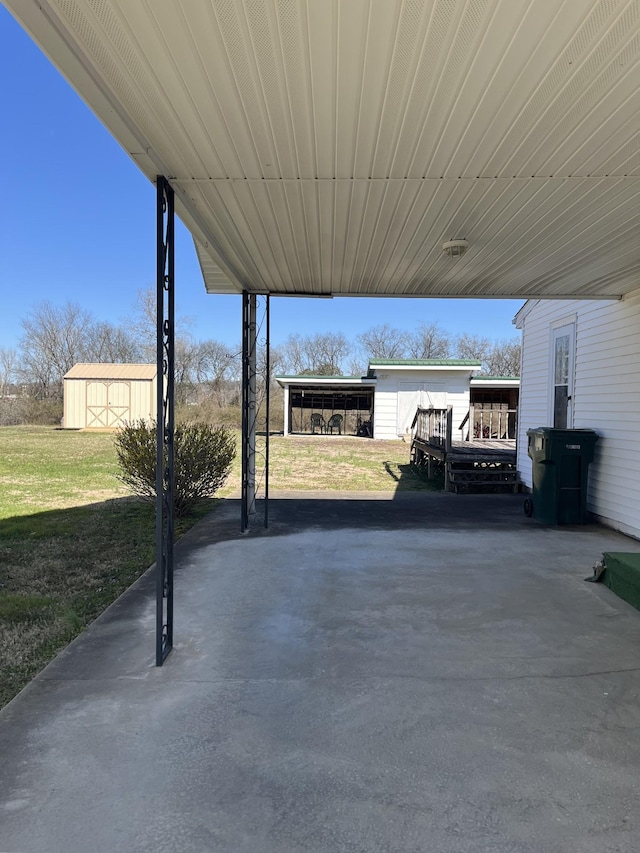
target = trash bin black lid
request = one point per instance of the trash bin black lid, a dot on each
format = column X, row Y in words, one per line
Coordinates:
column 565, row 434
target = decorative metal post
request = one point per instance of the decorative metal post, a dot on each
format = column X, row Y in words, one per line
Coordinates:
column 267, row 380
column 249, row 407
column 252, row 407
column 164, row 419
column 244, row 513
column 253, row 369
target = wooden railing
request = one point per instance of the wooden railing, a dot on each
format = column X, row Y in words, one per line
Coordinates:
column 434, row 426
column 497, row 424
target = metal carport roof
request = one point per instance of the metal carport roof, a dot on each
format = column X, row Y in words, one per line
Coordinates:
column 325, row 147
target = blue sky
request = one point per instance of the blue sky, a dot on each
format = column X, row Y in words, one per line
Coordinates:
column 79, row 226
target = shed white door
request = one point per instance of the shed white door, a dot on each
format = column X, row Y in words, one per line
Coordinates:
column 108, row 404
column 414, row 395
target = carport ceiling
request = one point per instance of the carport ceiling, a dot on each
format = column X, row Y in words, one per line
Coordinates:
column 329, row 147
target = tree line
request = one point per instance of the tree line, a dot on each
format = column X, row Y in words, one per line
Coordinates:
column 328, row 354
column 54, row 338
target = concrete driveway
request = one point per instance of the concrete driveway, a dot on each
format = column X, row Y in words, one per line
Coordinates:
column 424, row 673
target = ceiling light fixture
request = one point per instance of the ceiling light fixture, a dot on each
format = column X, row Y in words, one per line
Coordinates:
column 455, row 248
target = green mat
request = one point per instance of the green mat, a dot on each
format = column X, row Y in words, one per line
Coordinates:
column 622, row 575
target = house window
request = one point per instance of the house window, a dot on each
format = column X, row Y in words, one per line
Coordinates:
column 562, row 376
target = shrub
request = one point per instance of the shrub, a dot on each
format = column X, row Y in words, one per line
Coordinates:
column 203, row 455
column 27, row 410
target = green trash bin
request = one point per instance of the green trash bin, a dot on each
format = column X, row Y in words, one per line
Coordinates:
column 560, row 460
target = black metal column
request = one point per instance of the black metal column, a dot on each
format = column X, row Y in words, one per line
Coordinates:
column 255, row 405
column 164, row 419
column 267, row 379
column 249, row 408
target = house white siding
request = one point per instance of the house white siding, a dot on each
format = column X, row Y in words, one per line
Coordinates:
column 400, row 392
column 606, row 396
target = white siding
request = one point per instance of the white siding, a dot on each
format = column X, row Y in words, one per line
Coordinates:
column 385, row 406
column 606, row 397
column 447, row 386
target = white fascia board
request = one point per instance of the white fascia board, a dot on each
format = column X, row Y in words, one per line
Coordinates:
column 494, row 383
column 529, row 305
column 468, row 368
column 311, row 380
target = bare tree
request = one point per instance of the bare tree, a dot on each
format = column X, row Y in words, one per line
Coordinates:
column 293, row 355
column 109, row 343
column 327, row 352
column 383, row 342
column 215, row 367
column 504, row 358
column 54, row 340
column 499, row 357
column 357, row 367
column 142, row 324
column 8, row 369
column 473, row 347
column 320, row 354
column 429, row 341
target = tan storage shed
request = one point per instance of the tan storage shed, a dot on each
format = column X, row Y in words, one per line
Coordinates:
column 106, row 396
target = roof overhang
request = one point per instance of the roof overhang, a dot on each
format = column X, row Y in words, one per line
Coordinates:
column 495, row 382
column 424, row 366
column 322, row 148
column 340, row 382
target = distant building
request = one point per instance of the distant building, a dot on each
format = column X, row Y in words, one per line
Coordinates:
column 383, row 403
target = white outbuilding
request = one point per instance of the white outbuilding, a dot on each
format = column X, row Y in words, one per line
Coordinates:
column 404, row 385
column 106, row 396
column 383, row 403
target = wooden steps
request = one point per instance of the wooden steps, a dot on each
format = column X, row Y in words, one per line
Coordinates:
column 481, row 465
column 481, row 476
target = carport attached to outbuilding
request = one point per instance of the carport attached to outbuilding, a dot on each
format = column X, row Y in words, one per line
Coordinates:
column 314, row 404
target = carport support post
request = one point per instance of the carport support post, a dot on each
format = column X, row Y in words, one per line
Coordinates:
column 249, row 407
column 165, row 325
column 287, row 410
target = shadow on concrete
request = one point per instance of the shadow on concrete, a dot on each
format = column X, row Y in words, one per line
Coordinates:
column 293, row 512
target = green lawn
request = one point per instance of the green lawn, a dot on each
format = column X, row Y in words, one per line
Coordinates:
column 339, row 463
column 72, row 539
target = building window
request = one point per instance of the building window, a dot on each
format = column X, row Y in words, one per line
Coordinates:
column 562, row 376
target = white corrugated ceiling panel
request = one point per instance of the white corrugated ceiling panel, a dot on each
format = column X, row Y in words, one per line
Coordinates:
column 331, row 146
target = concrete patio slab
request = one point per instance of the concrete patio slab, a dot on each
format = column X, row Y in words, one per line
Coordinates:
column 423, row 673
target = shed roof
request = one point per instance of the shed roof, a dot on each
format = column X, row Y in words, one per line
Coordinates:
column 101, row 370
column 326, row 149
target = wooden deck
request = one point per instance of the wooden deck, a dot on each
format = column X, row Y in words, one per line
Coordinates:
column 479, row 464
column 497, row 450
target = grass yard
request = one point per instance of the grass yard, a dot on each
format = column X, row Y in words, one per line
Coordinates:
column 342, row 463
column 72, row 539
